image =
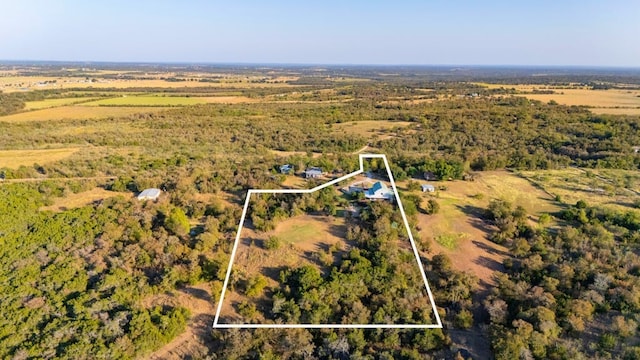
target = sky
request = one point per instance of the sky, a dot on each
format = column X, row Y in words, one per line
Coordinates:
column 399, row 32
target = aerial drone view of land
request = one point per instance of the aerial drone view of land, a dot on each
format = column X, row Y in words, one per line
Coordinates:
column 521, row 189
column 298, row 254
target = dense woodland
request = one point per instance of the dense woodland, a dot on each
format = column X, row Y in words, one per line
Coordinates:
column 73, row 283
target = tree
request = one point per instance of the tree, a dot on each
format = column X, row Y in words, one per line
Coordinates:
column 177, row 222
column 432, row 207
column 255, row 285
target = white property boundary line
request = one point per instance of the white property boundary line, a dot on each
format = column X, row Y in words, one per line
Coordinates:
column 438, row 324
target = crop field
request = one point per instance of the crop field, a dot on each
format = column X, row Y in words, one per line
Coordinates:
column 13, row 159
column 50, row 103
column 76, row 112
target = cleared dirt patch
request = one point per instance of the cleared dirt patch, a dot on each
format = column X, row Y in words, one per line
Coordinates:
column 82, row 199
column 13, row 159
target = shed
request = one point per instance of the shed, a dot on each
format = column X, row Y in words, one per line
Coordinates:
column 428, row 188
column 149, row 194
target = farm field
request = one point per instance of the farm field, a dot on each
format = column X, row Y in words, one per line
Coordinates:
column 611, row 101
column 50, row 103
column 148, row 101
column 13, row 159
column 76, row 112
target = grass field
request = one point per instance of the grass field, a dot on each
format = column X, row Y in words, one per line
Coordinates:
column 75, row 112
column 307, row 232
column 148, row 101
column 50, row 103
column 615, row 189
column 369, row 129
column 458, row 229
column 13, row 159
column 81, row 199
column 612, row 101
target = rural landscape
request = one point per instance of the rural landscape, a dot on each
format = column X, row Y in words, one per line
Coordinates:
column 122, row 189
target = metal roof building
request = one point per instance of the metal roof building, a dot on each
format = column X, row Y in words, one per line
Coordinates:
column 149, row 194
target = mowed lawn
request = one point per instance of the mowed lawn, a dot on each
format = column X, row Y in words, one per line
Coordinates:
column 13, row 159
column 76, row 112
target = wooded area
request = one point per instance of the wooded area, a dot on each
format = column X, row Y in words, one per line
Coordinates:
column 77, row 283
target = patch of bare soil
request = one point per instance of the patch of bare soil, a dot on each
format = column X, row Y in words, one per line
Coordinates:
column 196, row 339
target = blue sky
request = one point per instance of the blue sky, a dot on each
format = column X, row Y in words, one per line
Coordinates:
column 450, row 32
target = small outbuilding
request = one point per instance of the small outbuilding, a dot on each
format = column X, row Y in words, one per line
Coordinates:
column 428, row 175
column 149, row 194
column 428, row 188
column 312, row 172
column 286, row 169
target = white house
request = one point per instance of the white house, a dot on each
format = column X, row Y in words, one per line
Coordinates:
column 149, row 194
column 379, row 191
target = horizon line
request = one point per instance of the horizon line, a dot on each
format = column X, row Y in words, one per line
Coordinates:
column 328, row 64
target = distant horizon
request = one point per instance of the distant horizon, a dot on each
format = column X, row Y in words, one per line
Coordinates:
column 294, row 64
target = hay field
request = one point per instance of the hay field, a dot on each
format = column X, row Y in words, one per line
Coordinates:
column 594, row 98
column 76, row 112
column 13, row 159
